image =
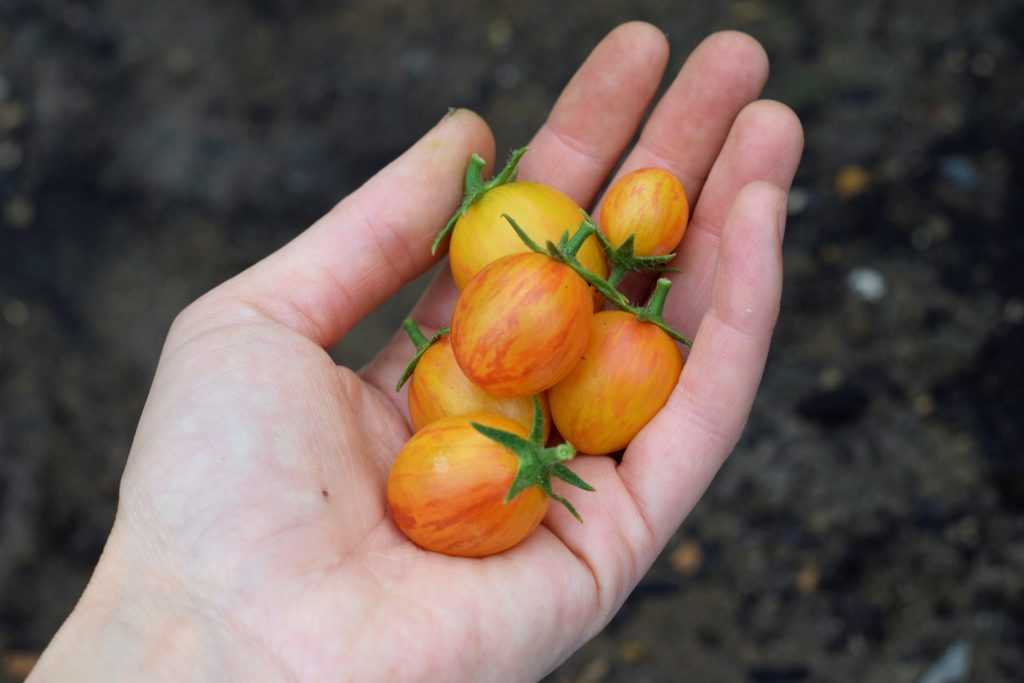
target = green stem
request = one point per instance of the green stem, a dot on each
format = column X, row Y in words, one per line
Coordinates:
column 561, row 252
column 667, row 329
column 537, row 428
column 421, row 343
column 596, row 281
column 508, row 173
column 563, row 452
column 415, row 334
column 654, row 307
column 651, row 313
column 522, row 234
column 537, row 464
column 616, row 297
column 574, row 243
column 474, row 188
column 615, row 277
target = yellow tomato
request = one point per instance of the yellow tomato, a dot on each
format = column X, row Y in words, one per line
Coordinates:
column 650, row 203
column 521, row 324
column 481, row 236
column 439, row 388
column 446, row 490
column 628, row 371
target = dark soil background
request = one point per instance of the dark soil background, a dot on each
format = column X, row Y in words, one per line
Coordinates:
column 873, row 515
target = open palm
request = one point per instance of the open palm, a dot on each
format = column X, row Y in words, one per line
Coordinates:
column 253, row 536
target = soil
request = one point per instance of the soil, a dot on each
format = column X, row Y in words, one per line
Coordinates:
column 872, row 515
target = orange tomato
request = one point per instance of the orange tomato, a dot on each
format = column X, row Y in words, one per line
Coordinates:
column 521, row 325
column 481, row 236
column 628, row 371
column 439, row 388
column 446, row 490
column 650, row 203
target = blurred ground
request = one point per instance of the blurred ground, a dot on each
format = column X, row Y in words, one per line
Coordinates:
column 873, row 514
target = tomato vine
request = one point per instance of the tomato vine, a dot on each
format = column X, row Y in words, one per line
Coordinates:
column 565, row 252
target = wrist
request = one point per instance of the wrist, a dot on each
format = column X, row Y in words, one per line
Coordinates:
column 132, row 623
column 101, row 643
column 120, row 631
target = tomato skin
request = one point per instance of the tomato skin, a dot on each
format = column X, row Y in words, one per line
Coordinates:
column 439, row 388
column 482, row 236
column 627, row 374
column 446, row 489
column 651, row 203
column 521, row 325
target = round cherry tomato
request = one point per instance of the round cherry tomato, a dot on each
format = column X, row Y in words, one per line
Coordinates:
column 447, row 489
column 439, row 388
column 482, row 236
column 650, row 203
column 520, row 325
column 627, row 374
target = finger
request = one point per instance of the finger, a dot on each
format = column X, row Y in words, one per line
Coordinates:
column 765, row 143
column 613, row 541
column 371, row 243
column 598, row 112
column 573, row 151
column 671, row 462
column 432, row 312
column 434, row 308
column 686, row 130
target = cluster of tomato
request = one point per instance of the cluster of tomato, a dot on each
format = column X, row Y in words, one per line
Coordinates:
column 526, row 349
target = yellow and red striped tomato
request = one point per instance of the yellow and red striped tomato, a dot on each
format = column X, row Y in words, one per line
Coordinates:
column 520, row 325
column 439, row 388
column 446, row 490
column 482, row 236
column 650, row 203
column 628, row 371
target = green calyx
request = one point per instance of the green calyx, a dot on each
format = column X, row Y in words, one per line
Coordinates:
column 421, row 343
column 565, row 252
column 623, row 260
column 476, row 187
column 537, row 464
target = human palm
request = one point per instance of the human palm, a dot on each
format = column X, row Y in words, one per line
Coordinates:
column 252, row 528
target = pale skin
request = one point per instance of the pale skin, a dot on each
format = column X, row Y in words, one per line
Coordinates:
column 252, row 540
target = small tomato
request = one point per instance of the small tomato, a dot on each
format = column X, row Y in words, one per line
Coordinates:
column 521, row 325
column 628, row 371
column 448, row 485
column 482, row 236
column 477, row 484
column 438, row 388
column 649, row 203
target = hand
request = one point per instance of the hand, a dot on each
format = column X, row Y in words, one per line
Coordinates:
column 252, row 541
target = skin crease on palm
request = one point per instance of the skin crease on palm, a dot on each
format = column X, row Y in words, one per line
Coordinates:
column 252, row 540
